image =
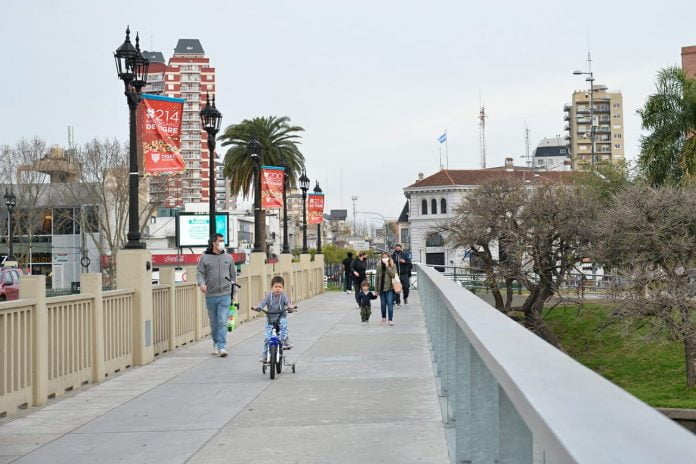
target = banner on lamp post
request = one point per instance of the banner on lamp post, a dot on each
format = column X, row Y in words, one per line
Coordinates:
column 315, row 208
column 272, row 184
column 160, row 134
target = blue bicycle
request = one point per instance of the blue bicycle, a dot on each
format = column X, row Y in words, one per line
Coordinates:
column 275, row 359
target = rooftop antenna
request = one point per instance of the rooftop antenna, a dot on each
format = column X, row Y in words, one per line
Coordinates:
column 482, row 135
column 526, row 146
column 355, row 213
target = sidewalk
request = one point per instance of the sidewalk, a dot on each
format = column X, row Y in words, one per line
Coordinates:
column 360, row 394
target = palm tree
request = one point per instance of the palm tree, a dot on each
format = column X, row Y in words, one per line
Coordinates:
column 668, row 154
column 279, row 142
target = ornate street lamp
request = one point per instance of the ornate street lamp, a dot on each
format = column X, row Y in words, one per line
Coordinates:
column 317, row 189
column 10, row 203
column 304, row 186
column 211, row 119
column 286, row 246
column 254, row 152
column 132, row 67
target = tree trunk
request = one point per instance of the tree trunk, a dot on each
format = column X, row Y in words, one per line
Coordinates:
column 495, row 290
column 690, row 359
column 509, row 295
column 533, row 309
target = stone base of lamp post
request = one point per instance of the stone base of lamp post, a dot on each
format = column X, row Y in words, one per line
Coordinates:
column 134, row 271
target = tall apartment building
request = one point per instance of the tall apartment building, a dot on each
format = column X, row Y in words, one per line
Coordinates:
column 688, row 55
column 608, row 122
column 190, row 76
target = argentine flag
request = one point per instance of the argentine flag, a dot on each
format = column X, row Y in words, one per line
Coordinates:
column 442, row 138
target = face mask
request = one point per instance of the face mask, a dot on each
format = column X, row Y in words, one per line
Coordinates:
column 385, row 260
column 221, row 246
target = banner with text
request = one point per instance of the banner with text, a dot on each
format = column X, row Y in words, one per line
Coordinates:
column 272, row 187
column 315, row 208
column 160, row 134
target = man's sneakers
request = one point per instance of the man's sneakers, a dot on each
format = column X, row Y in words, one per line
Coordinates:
column 405, row 302
column 391, row 323
column 223, row 353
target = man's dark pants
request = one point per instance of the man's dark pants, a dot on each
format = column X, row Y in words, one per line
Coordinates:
column 404, row 278
column 348, row 281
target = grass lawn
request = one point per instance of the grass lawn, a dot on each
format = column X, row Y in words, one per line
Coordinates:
column 654, row 372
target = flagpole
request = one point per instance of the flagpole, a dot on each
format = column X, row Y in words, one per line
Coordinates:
column 446, row 150
column 440, row 148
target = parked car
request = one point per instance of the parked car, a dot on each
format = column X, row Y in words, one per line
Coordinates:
column 9, row 283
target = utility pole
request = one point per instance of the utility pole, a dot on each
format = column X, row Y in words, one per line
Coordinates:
column 482, row 135
column 355, row 214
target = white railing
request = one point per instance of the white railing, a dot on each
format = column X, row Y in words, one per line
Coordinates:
column 16, row 347
column 509, row 397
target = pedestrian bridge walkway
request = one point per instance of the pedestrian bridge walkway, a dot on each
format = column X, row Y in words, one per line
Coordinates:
column 360, row 394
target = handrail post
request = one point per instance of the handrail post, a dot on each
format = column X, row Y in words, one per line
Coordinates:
column 134, row 271
column 92, row 283
column 34, row 288
column 168, row 277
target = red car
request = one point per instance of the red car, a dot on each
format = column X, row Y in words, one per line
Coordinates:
column 9, row 283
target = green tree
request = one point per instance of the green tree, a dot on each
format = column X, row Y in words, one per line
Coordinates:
column 668, row 153
column 279, row 143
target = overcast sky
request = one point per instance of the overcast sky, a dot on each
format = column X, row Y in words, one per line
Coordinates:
column 374, row 83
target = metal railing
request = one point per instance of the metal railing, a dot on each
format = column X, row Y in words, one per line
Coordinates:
column 509, row 397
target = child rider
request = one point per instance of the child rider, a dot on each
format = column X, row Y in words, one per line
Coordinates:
column 276, row 303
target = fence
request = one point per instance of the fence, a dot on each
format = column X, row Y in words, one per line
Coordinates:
column 56, row 344
column 509, row 397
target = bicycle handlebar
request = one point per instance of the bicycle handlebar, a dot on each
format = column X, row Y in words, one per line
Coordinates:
column 289, row 309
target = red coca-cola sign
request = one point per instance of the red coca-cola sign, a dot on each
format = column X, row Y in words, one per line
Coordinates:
column 183, row 260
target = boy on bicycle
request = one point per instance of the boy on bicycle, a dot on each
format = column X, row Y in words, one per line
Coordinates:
column 276, row 303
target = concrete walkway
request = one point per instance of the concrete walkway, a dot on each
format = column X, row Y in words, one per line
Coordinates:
column 360, row 394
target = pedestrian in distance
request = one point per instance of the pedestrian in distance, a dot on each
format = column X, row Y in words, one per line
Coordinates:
column 403, row 264
column 348, row 277
column 386, row 272
column 364, row 298
column 216, row 275
column 359, row 270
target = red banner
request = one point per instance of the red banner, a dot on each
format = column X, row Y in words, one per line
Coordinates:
column 315, row 208
column 160, row 134
column 272, row 178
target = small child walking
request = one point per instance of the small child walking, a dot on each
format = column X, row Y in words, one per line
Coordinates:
column 364, row 298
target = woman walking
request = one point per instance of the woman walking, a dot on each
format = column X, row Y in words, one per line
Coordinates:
column 383, row 284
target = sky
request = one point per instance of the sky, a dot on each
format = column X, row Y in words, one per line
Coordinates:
column 373, row 83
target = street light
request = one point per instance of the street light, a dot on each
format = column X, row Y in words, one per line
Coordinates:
column 286, row 246
column 590, row 79
column 211, row 118
column 304, row 186
column 317, row 189
column 11, row 203
column 132, row 67
column 254, row 152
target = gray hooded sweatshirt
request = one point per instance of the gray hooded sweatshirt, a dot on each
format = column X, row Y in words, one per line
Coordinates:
column 217, row 272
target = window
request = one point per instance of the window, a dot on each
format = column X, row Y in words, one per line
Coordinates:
column 434, row 240
column 170, row 86
column 617, row 115
column 617, row 136
column 618, row 145
column 404, row 235
column 443, row 206
column 424, row 207
column 433, row 206
column 170, row 77
column 616, row 105
column 8, row 278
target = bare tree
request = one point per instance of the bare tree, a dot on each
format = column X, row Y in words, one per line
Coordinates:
column 649, row 237
column 535, row 234
column 479, row 225
column 104, row 186
column 19, row 171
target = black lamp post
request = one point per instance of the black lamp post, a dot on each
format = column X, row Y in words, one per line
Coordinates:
column 132, row 67
column 286, row 246
column 211, row 118
column 304, row 186
column 254, row 152
column 317, row 189
column 11, row 203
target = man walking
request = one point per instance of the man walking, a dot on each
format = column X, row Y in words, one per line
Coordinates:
column 348, row 277
column 216, row 275
column 403, row 268
column 359, row 273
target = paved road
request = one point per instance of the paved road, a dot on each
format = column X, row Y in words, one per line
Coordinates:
column 360, row 394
